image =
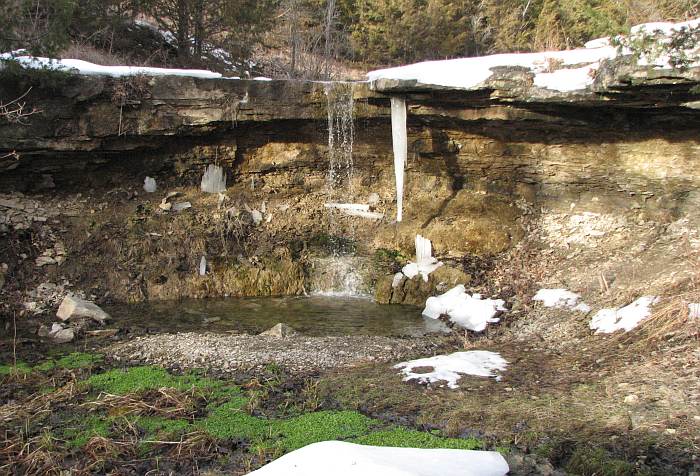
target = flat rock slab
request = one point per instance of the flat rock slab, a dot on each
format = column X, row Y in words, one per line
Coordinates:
column 245, row 352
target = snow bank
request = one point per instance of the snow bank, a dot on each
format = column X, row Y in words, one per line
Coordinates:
column 425, row 263
column 564, row 71
column 469, row 312
column 450, row 368
column 561, row 298
column 91, row 69
column 340, row 458
column 626, row 318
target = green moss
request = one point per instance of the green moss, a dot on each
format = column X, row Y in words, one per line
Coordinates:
column 45, row 366
column 138, row 379
column 321, row 426
column 405, row 438
column 230, row 420
column 85, row 429
column 79, row 360
column 19, row 368
column 162, row 428
column 598, row 462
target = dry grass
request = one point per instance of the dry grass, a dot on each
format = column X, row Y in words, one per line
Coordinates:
column 164, row 402
column 86, row 52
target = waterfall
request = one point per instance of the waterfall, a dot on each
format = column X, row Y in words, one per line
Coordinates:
column 400, row 141
column 341, row 135
column 338, row 275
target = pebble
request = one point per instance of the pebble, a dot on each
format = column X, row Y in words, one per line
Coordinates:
column 246, row 352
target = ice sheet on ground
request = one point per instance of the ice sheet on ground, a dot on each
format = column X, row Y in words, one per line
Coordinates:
column 565, row 71
column 561, row 298
column 425, row 263
column 626, row 318
column 469, row 312
column 339, row 458
column 450, row 368
column 91, row 69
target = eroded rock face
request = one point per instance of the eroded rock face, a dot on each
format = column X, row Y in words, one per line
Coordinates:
column 489, row 168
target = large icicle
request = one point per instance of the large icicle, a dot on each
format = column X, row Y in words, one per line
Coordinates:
column 400, row 140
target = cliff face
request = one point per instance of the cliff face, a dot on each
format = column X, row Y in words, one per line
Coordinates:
column 589, row 175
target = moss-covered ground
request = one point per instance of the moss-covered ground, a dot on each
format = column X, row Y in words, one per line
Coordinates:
column 96, row 418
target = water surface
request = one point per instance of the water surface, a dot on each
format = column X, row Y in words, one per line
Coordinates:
column 311, row 315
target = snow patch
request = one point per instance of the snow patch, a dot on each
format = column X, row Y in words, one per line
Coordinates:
column 91, row 69
column 561, row 298
column 469, row 312
column 626, row 318
column 450, row 368
column 340, row 458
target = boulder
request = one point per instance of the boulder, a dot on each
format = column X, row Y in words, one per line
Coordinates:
column 280, row 330
column 61, row 335
column 74, row 307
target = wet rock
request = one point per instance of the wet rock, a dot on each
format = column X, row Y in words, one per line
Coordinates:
column 74, row 307
column 280, row 330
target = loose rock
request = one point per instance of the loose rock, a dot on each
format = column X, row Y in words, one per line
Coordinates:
column 72, row 307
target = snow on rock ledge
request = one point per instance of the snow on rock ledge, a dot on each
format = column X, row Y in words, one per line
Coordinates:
column 561, row 298
column 609, row 320
column 469, row 312
column 450, row 368
column 339, row 458
column 91, row 69
column 561, row 71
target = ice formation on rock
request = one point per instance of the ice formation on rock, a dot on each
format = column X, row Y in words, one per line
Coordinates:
column 202, row 266
column 400, row 142
column 214, row 179
column 149, row 184
column 450, row 368
column 425, row 262
column 469, row 312
column 355, row 209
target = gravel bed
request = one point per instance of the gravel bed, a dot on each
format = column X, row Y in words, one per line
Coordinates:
column 249, row 352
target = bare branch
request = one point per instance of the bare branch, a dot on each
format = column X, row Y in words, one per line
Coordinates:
column 15, row 111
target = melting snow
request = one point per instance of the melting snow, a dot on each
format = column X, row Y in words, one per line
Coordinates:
column 626, row 318
column 469, row 312
column 91, row 69
column 340, row 458
column 450, row 368
column 425, row 263
column 561, row 298
column 575, row 69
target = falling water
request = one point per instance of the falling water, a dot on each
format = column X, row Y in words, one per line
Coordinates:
column 400, row 140
column 338, row 274
column 341, row 134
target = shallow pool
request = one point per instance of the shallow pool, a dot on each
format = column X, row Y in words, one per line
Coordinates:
column 311, row 315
